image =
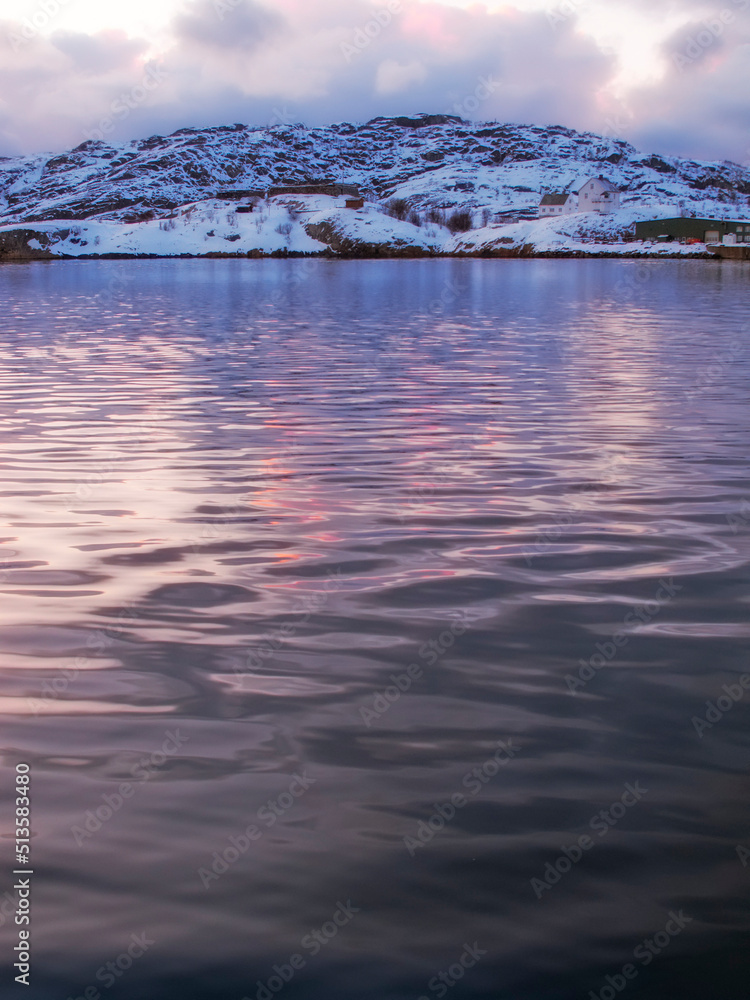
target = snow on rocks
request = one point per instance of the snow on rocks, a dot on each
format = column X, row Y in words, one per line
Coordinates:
column 179, row 194
column 432, row 161
column 203, row 229
column 370, row 233
column 583, row 234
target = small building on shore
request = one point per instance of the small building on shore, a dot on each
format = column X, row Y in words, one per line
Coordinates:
column 239, row 195
column 693, row 230
column 595, row 194
column 555, row 205
column 330, row 188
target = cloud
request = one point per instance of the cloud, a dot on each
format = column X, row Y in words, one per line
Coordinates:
column 99, row 54
column 699, row 108
column 318, row 61
column 393, row 77
column 700, row 111
column 227, row 24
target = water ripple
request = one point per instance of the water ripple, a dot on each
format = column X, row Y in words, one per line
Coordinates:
column 308, row 569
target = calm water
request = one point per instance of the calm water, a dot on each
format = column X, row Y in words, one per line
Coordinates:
column 239, row 498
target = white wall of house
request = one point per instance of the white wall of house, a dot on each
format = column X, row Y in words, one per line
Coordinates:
column 598, row 196
column 552, row 211
column 595, row 195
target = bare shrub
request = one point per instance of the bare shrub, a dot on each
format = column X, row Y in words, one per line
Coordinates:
column 459, row 221
column 397, row 208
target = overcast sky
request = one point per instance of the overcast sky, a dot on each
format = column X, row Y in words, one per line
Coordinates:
column 670, row 76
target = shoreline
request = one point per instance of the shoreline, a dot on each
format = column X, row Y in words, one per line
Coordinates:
column 338, row 236
column 522, row 253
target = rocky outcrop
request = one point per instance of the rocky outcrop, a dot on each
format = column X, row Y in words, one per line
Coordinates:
column 219, row 191
column 428, row 160
column 29, row 244
column 344, row 242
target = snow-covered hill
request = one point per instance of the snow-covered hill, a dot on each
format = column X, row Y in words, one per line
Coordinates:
column 438, row 164
column 283, row 225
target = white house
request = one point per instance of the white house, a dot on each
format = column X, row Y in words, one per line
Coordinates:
column 597, row 195
column 557, row 204
column 593, row 195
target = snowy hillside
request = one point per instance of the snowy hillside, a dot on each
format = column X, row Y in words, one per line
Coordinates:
column 282, row 225
column 163, row 195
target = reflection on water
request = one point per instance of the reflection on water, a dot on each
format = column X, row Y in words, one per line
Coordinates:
column 359, row 619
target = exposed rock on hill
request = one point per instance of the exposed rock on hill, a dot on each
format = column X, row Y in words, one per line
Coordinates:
column 434, row 165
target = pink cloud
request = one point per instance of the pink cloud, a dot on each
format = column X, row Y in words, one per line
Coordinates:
column 263, row 57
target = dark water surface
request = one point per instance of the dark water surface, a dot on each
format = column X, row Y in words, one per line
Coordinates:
column 239, row 498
